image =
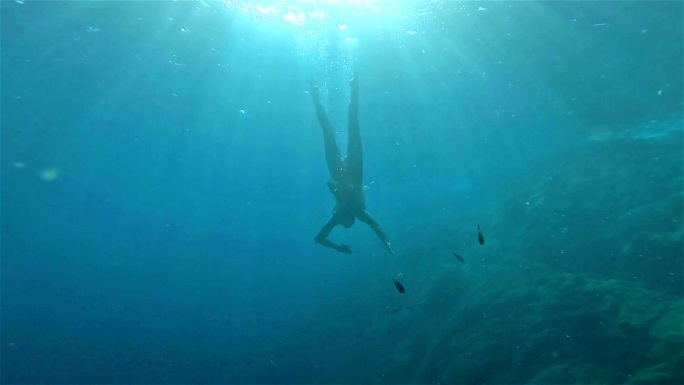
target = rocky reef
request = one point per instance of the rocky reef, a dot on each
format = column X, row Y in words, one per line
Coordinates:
column 580, row 281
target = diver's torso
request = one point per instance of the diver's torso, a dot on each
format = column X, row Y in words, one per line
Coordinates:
column 350, row 200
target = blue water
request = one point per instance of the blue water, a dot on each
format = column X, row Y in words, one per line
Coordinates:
column 163, row 178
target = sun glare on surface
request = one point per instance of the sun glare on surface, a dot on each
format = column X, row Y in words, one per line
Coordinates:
column 330, row 33
column 312, row 13
column 325, row 28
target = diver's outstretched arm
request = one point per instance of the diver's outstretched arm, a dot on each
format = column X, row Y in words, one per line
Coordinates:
column 368, row 219
column 322, row 237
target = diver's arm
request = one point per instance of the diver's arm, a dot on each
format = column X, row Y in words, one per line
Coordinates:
column 368, row 219
column 321, row 238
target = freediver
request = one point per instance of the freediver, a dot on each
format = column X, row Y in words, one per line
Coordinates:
column 346, row 173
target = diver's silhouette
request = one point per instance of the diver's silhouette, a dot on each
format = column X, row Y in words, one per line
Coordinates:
column 346, row 173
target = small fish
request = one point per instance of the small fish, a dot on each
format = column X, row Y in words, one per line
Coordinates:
column 399, row 286
column 396, row 309
column 458, row 257
column 480, row 238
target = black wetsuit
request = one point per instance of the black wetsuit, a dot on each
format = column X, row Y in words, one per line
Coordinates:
column 346, row 173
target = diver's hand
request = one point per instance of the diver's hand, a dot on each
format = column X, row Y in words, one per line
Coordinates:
column 344, row 249
column 389, row 248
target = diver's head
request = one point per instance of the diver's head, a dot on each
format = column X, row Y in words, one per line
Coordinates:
column 343, row 216
column 347, row 221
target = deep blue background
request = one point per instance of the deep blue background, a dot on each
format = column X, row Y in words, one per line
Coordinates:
column 190, row 175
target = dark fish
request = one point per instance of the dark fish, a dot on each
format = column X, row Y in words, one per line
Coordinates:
column 458, row 257
column 396, row 309
column 480, row 238
column 399, row 286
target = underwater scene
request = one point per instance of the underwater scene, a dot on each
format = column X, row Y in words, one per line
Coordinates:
column 342, row 192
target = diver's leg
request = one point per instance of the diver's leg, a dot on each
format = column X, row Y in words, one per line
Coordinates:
column 354, row 149
column 332, row 153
